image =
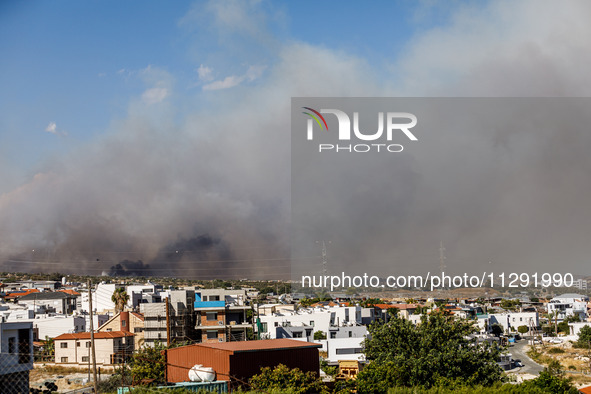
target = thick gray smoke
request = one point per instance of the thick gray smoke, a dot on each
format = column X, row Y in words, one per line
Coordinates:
column 203, row 190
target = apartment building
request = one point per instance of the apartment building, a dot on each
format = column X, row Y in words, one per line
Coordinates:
column 222, row 315
column 126, row 321
column 16, row 356
column 180, row 322
column 321, row 319
column 568, row 305
column 111, row 348
column 50, row 302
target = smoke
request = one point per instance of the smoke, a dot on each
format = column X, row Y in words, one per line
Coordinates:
column 209, row 176
column 130, row 268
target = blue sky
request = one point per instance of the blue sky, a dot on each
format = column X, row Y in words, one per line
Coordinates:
column 78, row 64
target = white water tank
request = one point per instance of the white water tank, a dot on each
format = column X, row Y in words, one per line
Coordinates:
column 206, row 374
column 193, row 375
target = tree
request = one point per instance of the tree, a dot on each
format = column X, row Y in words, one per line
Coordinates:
column 584, row 337
column 437, row 348
column 318, row 335
column 523, row 329
column 552, row 380
column 282, row 378
column 120, row 298
column 149, row 363
column 497, row 329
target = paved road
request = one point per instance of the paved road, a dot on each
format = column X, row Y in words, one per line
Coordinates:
column 518, row 351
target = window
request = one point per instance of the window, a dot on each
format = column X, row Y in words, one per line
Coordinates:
column 264, row 327
column 87, row 344
column 85, row 359
column 123, row 323
column 212, row 334
column 211, row 316
column 64, row 359
column 350, row 334
column 77, row 344
column 312, row 323
column 308, row 332
column 64, row 345
column 333, row 334
column 349, row 351
column 204, row 298
column 109, row 329
column 138, row 329
column 276, row 324
column 297, row 334
column 12, row 345
column 214, row 298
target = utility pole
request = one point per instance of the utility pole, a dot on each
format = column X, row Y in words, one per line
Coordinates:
column 441, row 257
column 92, row 336
column 167, row 323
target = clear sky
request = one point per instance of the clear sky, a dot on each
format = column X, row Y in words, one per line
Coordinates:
column 128, row 129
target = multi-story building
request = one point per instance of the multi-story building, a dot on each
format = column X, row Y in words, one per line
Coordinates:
column 568, row 305
column 321, row 319
column 139, row 294
column 178, row 323
column 510, row 321
column 111, row 348
column 126, row 321
column 50, row 302
column 222, row 315
column 580, row 284
column 16, row 356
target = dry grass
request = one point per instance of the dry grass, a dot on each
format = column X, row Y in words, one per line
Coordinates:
column 571, row 359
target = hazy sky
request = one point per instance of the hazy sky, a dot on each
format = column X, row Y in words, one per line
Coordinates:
column 160, row 131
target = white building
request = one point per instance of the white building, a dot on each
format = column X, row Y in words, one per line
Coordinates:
column 321, row 319
column 568, row 305
column 510, row 321
column 16, row 356
column 575, row 328
column 580, row 284
column 110, row 347
column 340, row 349
column 101, row 298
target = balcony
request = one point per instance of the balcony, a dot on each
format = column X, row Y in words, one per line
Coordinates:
column 209, row 304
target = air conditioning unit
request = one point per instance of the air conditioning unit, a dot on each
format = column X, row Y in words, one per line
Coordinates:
column 220, row 322
column 220, row 339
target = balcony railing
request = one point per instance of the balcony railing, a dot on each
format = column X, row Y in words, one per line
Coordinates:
column 209, row 304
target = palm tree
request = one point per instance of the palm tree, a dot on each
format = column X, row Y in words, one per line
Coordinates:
column 120, row 298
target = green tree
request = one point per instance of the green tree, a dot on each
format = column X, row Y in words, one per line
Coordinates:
column 318, row 335
column 497, row 329
column 120, row 298
column 437, row 348
column 149, row 363
column 584, row 337
column 552, row 380
column 522, row 329
column 290, row 380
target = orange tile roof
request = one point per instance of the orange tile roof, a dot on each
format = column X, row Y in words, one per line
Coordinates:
column 16, row 294
column 97, row 335
column 585, row 390
column 385, row 306
column 397, row 306
column 68, row 291
column 138, row 315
